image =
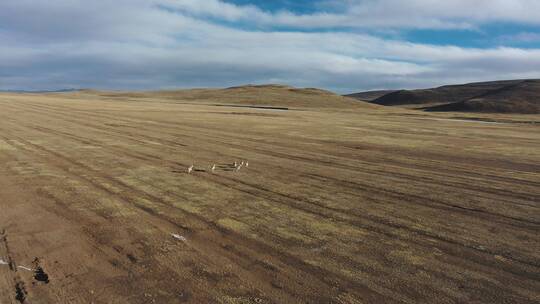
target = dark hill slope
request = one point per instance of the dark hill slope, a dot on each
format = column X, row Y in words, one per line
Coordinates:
column 444, row 94
column 370, row 95
column 523, row 97
column 508, row 96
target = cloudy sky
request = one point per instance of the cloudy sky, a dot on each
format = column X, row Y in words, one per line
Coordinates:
column 341, row 45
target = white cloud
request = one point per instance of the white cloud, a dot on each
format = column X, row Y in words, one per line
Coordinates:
column 136, row 44
column 421, row 14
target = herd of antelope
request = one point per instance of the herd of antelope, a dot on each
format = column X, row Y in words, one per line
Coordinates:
column 236, row 166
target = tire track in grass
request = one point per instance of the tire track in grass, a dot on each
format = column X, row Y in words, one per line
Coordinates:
column 258, row 142
column 337, row 164
column 221, row 233
column 350, row 168
column 426, row 202
column 399, row 194
column 346, row 216
column 319, row 214
column 344, row 258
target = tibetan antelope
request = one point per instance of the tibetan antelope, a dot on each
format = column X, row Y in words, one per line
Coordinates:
column 190, row 169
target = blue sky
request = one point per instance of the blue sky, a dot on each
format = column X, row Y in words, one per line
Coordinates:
column 341, row 45
column 491, row 34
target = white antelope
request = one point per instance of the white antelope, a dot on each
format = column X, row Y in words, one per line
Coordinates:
column 213, row 167
column 239, row 167
column 190, row 169
column 247, row 164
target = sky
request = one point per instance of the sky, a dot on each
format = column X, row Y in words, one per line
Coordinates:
column 340, row 45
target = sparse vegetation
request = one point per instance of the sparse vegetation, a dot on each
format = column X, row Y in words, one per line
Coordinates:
column 342, row 201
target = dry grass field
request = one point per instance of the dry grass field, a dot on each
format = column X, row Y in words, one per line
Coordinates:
column 342, row 202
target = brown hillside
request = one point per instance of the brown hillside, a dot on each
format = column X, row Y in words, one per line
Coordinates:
column 523, row 97
column 450, row 93
column 250, row 95
column 509, row 96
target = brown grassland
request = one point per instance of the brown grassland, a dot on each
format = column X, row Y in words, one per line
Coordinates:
column 342, row 202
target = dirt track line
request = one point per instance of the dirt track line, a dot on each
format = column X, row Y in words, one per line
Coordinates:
column 458, row 207
column 324, row 214
column 389, row 160
column 311, row 207
column 351, row 168
column 427, row 202
column 224, row 233
column 342, row 212
column 160, row 216
column 400, row 164
column 304, row 209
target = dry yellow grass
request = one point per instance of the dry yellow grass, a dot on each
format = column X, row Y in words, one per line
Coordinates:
column 256, row 95
column 342, row 202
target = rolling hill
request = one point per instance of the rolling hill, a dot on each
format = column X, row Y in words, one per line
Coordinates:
column 523, row 97
column 270, row 95
column 509, row 96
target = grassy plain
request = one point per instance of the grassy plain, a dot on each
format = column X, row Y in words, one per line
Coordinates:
column 342, row 202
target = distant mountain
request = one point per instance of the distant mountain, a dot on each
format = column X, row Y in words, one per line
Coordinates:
column 509, row 96
column 370, row 95
column 39, row 92
column 522, row 97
